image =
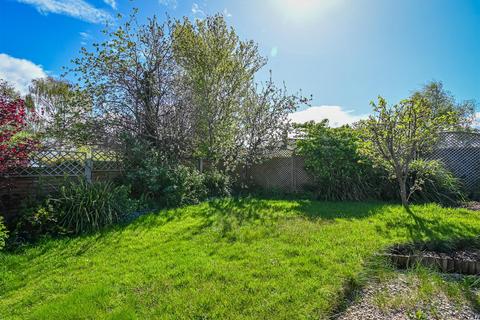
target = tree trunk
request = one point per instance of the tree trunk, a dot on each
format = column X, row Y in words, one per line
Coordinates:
column 403, row 192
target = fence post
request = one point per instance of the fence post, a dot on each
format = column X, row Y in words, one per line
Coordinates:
column 88, row 169
column 292, row 174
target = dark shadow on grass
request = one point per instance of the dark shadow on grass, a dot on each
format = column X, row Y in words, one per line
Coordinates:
column 429, row 229
column 252, row 208
column 339, row 210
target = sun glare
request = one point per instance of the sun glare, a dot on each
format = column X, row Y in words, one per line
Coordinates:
column 302, row 10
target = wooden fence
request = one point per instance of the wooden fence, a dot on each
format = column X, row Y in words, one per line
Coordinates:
column 46, row 170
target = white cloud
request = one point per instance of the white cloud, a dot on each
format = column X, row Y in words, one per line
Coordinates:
column 197, row 11
column 476, row 122
column 226, row 13
column 111, row 3
column 169, row 3
column 84, row 36
column 19, row 72
column 74, row 8
column 336, row 115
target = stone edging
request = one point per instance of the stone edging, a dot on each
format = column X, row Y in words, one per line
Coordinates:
column 445, row 264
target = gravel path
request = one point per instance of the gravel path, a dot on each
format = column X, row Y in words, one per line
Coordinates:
column 394, row 301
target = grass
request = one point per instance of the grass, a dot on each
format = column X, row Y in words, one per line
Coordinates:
column 229, row 259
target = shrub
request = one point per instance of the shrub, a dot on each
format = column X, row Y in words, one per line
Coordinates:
column 167, row 185
column 85, row 207
column 340, row 171
column 183, row 186
column 36, row 219
column 218, row 185
column 3, row 233
column 78, row 207
column 432, row 182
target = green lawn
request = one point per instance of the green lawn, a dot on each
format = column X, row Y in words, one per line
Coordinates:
column 244, row 259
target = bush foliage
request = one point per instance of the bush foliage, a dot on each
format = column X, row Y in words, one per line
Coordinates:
column 170, row 184
column 342, row 171
column 37, row 218
column 78, row 207
column 339, row 169
column 85, row 207
column 431, row 182
column 3, row 233
column 218, row 185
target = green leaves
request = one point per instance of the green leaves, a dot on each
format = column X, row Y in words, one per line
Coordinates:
column 65, row 111
column 397, row 135
column 85, row 207
column 333, row 157
column 218, row 68
column 3, row 234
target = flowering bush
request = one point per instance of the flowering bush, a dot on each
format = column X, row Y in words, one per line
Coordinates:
column 15, row 141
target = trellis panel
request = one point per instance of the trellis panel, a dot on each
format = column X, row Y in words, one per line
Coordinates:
column 460, row 152
column 106, row 161
column 49, row 163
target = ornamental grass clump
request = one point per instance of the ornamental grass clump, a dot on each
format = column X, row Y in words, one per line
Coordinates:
column 84, row 207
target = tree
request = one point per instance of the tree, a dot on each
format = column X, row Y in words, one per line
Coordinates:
column 133, row 80
column 235, row 120
column 442, row 101
column 264, row 125
column 16, row 141
column 186, row 90
column 218, row 68
column 65, row 112
column 396, row 135
column 7, row 91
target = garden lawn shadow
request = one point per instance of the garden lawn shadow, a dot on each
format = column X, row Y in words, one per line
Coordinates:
column 228, row 259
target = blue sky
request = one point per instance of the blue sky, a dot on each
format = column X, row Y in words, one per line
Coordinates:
column 343, row 52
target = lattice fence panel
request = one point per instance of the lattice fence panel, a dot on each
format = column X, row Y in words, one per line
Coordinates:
column 301, row 176
column 49, row 163
column 460, row 152
column 107, row 161
column 284, row 172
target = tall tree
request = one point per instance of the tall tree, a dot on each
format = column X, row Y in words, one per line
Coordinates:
column 132, row 78
column 219, row 68
column 265, row 124
column 236, row 121
column 186, row 89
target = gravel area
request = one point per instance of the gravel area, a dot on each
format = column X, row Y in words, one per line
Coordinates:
column 395, row 301
column 474, row 205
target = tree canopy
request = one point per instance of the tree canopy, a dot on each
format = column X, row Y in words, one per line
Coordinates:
column 396, row 135
column 187, row 89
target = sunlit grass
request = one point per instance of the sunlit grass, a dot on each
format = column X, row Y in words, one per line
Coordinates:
column 243, row 259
